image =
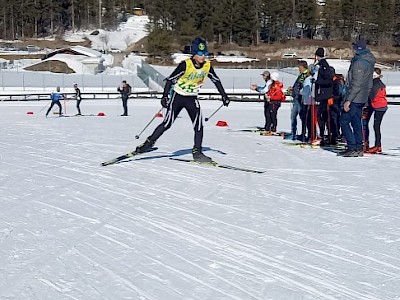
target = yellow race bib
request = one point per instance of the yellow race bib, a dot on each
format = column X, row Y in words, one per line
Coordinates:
column 191, row 81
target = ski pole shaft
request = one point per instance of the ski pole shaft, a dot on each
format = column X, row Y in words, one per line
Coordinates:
column 206, row 119
column 43, row 108
column 148, row 124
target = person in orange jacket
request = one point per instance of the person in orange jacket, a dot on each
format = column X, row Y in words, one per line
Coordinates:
column 274, row 98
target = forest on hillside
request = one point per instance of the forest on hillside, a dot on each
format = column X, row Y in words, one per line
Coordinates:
column 243, row 22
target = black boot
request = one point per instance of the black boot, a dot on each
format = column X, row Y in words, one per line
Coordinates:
column 199, row 156
column 145, row 147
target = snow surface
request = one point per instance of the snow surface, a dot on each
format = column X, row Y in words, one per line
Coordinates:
column 313, row 226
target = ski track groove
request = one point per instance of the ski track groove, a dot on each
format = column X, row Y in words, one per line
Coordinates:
column 113, row 274
column 156, row 190
column 181, row 233
column 148, row 213
column 139, row 199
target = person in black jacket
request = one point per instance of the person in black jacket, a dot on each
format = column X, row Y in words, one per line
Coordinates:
column 78, row 98
column 187, row 79
column 323, row 90
column 125, row 91
column 334, row 108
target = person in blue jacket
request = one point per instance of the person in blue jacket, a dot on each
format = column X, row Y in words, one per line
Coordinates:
column 55, row 100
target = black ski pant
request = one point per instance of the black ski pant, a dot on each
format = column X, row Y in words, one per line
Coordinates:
column 333, row 125
column 192, row 106
column 272, row 115
column 322, row 117
column 51, row 106
column 308, row 122
column 78, row 103
column 378, row 116
column 125, row 105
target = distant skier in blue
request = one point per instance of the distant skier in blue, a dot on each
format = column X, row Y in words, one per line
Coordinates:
column 55, row 100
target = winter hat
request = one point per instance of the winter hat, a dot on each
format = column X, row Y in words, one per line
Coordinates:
column 320, row 52
column 199, row 46
column 359, row 45
column 275, row 76
column 377, row 73
column 265, row 73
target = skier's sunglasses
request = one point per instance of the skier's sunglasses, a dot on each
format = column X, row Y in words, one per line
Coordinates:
column 201, row 53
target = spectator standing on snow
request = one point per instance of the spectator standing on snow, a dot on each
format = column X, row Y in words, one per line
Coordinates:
column 323, row 90
column 125, row 91
column 308, row 104
column 275, row 96
column 187, row 79
column 264, row 89
column 78, row 98
column 297, row 108
column 359, row 84
column 377, row 106
column 55, row 100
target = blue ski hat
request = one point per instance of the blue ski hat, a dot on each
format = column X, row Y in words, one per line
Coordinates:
column 359, row 45
column 199, row 47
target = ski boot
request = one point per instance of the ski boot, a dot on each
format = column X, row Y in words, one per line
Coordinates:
column 199, row 156
column 145, row 147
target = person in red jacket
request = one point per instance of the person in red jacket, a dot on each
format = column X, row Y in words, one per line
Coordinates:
column 274, row 96
column 377, row 106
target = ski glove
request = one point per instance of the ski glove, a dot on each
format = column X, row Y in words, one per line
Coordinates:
column 165, row 102
column 225, row 101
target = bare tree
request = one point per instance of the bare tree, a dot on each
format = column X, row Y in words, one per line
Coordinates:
column 105, row 39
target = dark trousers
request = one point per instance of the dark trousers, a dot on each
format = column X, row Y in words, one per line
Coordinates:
column 192, row 106
column 333, row 125
column 322, row 117
column 51, row 106
column 378, row 116
column 351, row 126
column 309, row 122
column 78, row 103
column 125, row 106
column 266, row 114
column 272, row 115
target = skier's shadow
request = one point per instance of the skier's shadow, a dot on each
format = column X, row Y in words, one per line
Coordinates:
column 174, row 154
column 397, row 148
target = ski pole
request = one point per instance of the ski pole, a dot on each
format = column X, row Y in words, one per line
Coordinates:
column 206, row 119
column 43, row 107
column 148, row 124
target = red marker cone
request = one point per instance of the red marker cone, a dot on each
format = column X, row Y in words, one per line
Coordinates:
column 29, row 113
column 100, row 114
column 159, row 115
column 222, row 124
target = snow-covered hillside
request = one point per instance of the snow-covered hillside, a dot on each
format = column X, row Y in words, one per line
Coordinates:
column 127, row 33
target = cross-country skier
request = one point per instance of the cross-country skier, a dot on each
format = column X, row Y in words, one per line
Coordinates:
column 55, row 100
column 187, row 79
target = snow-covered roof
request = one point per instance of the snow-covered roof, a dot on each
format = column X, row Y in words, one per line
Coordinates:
column 74, row 62
column 86, row 51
